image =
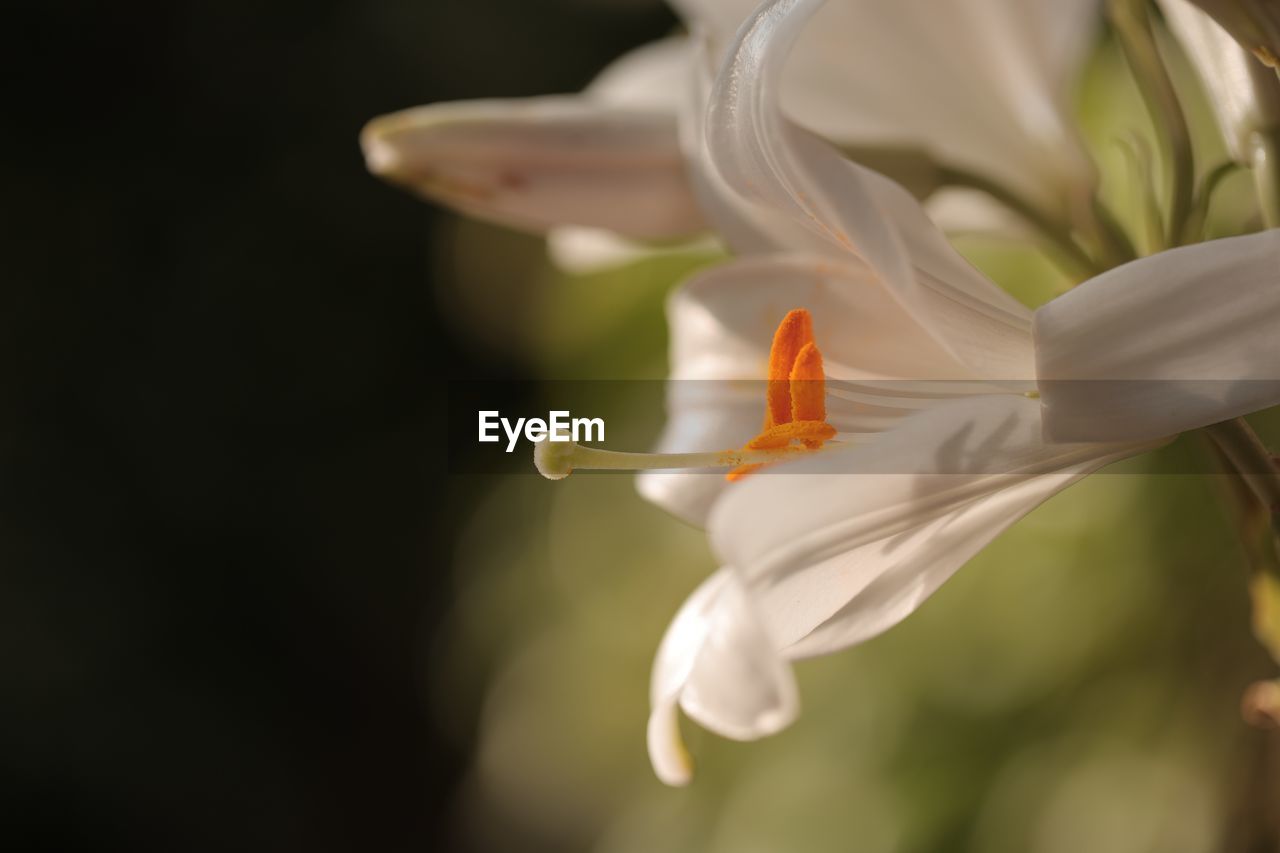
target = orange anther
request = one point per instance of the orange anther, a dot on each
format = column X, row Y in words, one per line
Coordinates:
column 794, row 333
column 795, row 395
column 783, row 434
column 770, row 438
column 808, row 391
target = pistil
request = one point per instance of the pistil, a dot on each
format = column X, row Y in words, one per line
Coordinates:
column 557, row 460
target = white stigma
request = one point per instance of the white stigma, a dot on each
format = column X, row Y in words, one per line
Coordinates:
column 554, row 459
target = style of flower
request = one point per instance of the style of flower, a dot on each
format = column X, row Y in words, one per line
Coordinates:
column 956, row 409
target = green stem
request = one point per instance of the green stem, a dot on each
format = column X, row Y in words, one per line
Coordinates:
column 1116, row 247
column 1248, row 515
column 1132, row 22
column 1253, row 463
column 1137, row 152
column 1056, row 235
column 1204, row 197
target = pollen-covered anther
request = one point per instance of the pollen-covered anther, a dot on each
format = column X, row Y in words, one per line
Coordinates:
column 794, row 334
column 808, row 388
column 796, row 393
column 783, row 434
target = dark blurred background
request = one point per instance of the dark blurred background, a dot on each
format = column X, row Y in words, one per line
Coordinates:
column 225, row 522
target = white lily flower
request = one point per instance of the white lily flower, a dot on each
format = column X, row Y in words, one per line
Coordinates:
column 831, row 548
column 979, row 86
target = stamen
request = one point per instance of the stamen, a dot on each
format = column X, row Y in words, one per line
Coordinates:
column 809, row 391
column 795, row 420
column 812, row 433
column 795, row 395
column 556, row 460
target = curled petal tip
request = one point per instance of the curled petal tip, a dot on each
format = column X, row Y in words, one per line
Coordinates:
column 670, row 758
column 380, row 157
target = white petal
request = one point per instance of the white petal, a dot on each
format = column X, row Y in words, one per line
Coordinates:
column 1191, row 335
column 671, row 668
column 982, row 84
column 723, row 418
column 684, row 639
column 843, row 545
column 1228, row 73
column 965, row 212
column 541, row 162
column 722, row 321
column 853, row 209
column 717, row 662
column 744, row 224
column 583, row 251
column 715, row 399
column 904, row 570
column 651, row 77
column 668, row 754
column 739, row 687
